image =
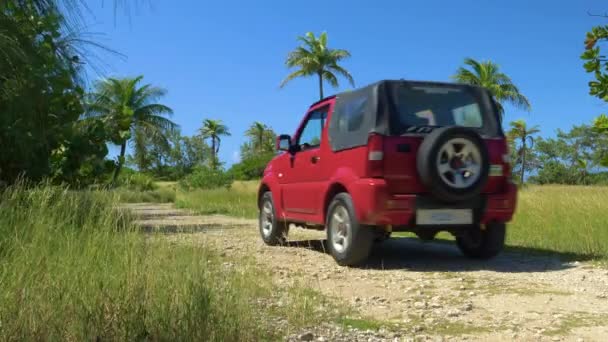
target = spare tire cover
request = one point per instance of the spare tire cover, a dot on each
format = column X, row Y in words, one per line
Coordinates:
column 453, row 163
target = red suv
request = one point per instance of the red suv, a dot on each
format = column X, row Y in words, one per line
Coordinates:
column 421, row 157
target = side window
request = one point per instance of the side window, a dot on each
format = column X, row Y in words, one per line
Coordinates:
column 310, row 137
column 352, row 114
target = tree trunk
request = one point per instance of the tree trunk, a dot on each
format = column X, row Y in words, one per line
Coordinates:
column 523, row 160
column 121, row 159
column 320, row 86
column 261, row 143
column 217, row 151
column 213, row 152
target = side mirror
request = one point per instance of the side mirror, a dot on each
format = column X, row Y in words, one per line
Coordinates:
column 284, row 142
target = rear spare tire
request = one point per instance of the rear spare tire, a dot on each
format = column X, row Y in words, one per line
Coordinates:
column 349, row 242
column 453, row 163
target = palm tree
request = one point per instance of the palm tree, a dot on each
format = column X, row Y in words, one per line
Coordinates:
column 487, row 74
column 130, row 111
column 214, row 129
column 520, row 131
column 260, row 134
column 313, row 57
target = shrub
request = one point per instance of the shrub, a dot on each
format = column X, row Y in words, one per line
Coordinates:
column 136, row 181
column 162, row 195
column 206, row 178
column 252, row 167
column 599, row 178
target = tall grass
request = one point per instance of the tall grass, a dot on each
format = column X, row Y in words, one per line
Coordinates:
column 239, row 201
column 72, row 267
column 160, row 195
column 565, row 219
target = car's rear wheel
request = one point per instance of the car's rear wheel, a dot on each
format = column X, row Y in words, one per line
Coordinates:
column 349, row 241
column 273, row 231
column 381, row 235
column 426, row 235
column 482, row 243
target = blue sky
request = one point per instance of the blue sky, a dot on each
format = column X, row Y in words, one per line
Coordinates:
column 225, row 59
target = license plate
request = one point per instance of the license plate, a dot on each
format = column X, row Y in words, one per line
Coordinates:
column 444, row 216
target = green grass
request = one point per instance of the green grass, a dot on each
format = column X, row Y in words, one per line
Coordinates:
column 361, row 323
column 160, row 195
column 72, row 267
column 239, row 201
column 565, row 219
column 569, row 220
column 573, row 321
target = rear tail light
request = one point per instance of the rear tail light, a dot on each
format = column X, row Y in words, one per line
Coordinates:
column 506, row 159
column 375, row 156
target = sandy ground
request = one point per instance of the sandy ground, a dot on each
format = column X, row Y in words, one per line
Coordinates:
column 427, row 288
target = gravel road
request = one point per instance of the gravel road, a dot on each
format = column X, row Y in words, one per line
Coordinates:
column 420, row 290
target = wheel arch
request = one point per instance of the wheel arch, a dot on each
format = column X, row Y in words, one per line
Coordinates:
column 261, row 190
column 334, row 189
column 270, row 183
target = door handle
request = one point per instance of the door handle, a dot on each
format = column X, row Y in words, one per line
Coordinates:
column 314, row 159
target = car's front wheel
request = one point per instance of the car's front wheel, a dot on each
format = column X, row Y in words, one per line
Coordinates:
column 481, row 243
column 273, row 231
column 349, row 242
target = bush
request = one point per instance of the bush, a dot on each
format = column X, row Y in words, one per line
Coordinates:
column 162, row 195
column 599, row 178
column 252, row 167
column 206, row 178
column 136, row 181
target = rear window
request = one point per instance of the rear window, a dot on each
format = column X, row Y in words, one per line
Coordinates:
column 419, row 106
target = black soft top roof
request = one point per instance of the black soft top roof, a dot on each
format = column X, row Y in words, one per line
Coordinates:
column 366, row 110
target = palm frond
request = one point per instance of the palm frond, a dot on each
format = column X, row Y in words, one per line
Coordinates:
column 340, row 70
column 315, row 57
column 487, row 74
column 157, row 121
column 330, row 78
column 292, row 76
column 152, row 109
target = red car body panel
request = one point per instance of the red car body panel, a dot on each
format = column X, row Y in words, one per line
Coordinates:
column 303, row 183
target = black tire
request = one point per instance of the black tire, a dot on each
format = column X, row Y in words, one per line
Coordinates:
column 427, row 156
column 381, row 235
column 276, row 233
column 426, row 235
column 482, row 244
column 359, row 238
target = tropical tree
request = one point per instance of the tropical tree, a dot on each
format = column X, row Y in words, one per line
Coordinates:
column 524, row 134
column 595, row 61
column 214, row 130
column 40, row 98
column 131, row 112
column 487, row 74
column 262, row 137
column 313, row 57
column 600, row 125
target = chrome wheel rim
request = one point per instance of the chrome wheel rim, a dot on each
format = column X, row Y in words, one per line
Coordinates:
column 266, row 219
column 340, row 229
column 459, row 163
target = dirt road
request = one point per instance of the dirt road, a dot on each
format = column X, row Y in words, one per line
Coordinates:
column 429, row 290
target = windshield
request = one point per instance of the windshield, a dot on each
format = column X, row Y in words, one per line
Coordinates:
column 428, row 106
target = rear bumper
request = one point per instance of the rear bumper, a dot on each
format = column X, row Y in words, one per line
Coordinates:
column 375, row 205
